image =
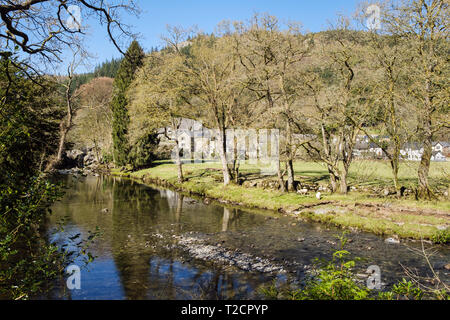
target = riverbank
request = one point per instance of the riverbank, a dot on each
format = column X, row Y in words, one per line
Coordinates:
column 359, row 210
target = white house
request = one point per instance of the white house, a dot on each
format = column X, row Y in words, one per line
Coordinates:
column 367, row 150
column 412, row 152
column 438, row 156
column 441, row 146
column 185, row 140
column 362, row 138
column 361, row 149
column 375, row 150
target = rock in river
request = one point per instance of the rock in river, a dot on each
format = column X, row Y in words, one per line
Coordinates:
column 392, row 241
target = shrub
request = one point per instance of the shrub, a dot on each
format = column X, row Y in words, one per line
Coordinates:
column 336, row 280
column 441, row 237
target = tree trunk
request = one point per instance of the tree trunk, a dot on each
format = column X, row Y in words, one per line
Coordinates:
column 179, row 165
column 236, row 173
column 236, row 162
column 62, row 141
column 178, row 159
column 427, row 136
column 424, row 169
column 64, row 127
column 223, row 157
column 327, row 151
column 280, row 177
column 180, row 171
column 291, row 176
column 289, row 162
column 394, row 167
column 96, row 148
column 343, row 182
column 333, row 180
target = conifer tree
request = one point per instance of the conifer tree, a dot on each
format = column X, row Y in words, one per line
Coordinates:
column 132, row 61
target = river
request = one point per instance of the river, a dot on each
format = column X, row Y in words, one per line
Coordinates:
column 159, row 244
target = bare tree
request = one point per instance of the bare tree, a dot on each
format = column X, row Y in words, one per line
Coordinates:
column 423, row 25
column 39, row 28
column 389, row 97
column 70, row 96
column 38, row 32
column 271, row 57
column 211, row 69
column 336, row 87
column 92, row 122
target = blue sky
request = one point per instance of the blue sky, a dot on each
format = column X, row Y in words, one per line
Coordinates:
column 156, row 15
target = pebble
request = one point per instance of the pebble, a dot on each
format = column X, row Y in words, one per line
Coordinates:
column 392, row 241
column 243, row 261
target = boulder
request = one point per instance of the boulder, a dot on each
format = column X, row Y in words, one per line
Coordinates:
column 388, row 192
column 250, row 184
column 74, row 159
column 81, row 161
column 303, row 191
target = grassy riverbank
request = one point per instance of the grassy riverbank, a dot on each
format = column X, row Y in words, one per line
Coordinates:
column 405, row 218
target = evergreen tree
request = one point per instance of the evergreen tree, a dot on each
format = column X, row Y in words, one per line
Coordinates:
column 107, row 69
column 132, row 61
column 143, row 151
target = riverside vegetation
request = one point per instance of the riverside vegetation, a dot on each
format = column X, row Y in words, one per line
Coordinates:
column 336, row 280
column 390, row 84
column 36, row 109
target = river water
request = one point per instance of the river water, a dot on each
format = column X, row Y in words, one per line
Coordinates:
column 159, row 244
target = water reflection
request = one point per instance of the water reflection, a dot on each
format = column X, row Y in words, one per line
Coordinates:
column 135, row 254
column 129, row 255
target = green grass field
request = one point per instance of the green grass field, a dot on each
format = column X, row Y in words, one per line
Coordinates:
column 378, row 173
column 362, row 173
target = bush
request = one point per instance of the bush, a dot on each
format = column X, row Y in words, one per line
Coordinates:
column 27, row 261
column 441, row 237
